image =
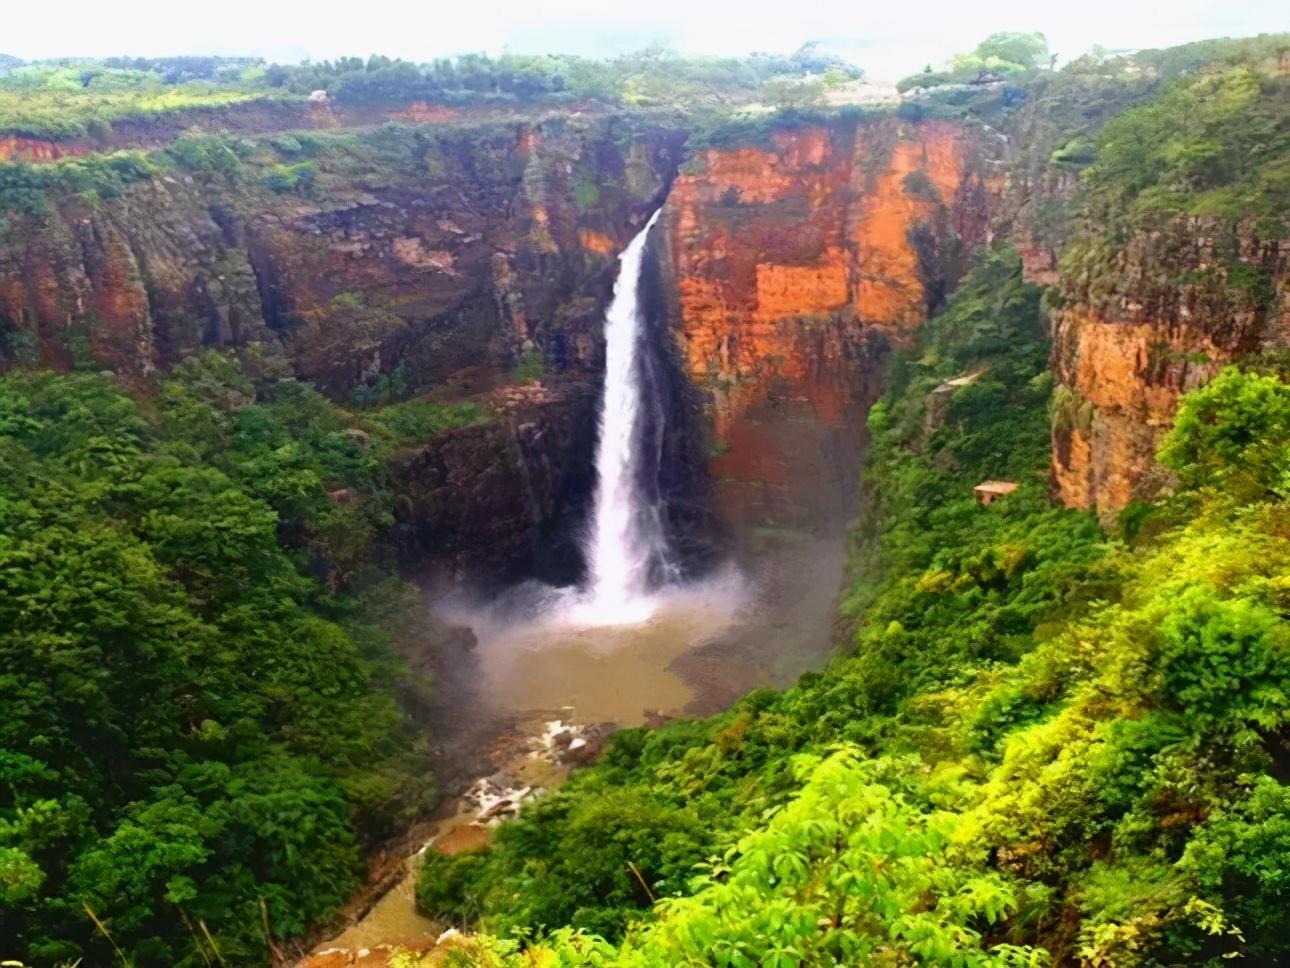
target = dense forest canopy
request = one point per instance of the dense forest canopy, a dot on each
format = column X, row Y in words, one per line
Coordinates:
column 200, row 736
column 73, row 98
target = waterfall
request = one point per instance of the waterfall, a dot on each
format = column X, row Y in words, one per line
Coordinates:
column 624, row 547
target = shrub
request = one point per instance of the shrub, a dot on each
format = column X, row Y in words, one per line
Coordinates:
column 298, row 178
column 530, row 368
column 1231, row 435
column 1224, row 661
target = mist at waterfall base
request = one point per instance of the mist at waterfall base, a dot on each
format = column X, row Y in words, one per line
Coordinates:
column 604, row 646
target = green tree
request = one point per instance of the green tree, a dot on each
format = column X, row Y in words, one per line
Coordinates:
column 1230, row 435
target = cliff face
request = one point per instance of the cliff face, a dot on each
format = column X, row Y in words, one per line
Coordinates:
column 1141, row 326
column 793, row 263
column 494, row 502
column 459, row 250
column 20, row 148
column 450, row 249
column 787, row 262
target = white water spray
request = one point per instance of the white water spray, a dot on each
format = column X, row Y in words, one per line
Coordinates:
column 622, row 546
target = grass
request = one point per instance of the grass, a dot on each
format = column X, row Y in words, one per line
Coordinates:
column 419, row 419
column 70, row 102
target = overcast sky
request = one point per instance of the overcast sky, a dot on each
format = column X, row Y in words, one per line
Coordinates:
column 888, row 38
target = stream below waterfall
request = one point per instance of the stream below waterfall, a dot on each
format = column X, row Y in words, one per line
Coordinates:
column 704, row 647
column 555, row 670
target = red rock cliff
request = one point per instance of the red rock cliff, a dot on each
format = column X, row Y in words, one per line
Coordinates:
column 783, row 254
column 1141, row 326
column 793, row 264
column 443, row 251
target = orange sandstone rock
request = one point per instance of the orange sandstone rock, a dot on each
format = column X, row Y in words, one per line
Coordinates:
column 787, row 290
column 783, row 256
column 36, row 149
column 597, row 242
column 1157, row 321
column 793, row 264
column 889, row 290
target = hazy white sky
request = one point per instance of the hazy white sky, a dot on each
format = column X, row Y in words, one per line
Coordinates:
column 889, row 38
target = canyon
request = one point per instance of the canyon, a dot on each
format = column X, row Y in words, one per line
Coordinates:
column 536, row 510
column 782, row 272
column 789, row 262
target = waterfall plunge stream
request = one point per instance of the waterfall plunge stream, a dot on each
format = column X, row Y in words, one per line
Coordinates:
column 624, row 546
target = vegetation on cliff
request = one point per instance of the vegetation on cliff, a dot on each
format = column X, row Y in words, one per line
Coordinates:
column 1047, row 744
column 200, row 734
column 650, row 76
column 76, row 99
column 996, row 57
column 1215, row 143
column 73, row 99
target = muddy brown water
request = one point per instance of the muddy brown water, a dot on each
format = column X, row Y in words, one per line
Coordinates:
column 608, row 673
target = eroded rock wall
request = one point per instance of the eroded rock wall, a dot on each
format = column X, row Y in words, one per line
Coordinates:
column 794, row 263
column 460, row 249
column 1141, row 325
column 497, row 502
column 450, row 254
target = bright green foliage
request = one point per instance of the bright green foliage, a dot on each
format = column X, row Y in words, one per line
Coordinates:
column 586, row 190
column 1230, row 436
column 213, row 154
column 938, row 578
column 297, row 178
column 416, row 421
column 1025, row 51
column 383, row 387
column 194, row 726
column 1224, row 659
column 290, row 447
column 530, row 368
column 1213, row 143
column 1002, row 53
column 94, row 178
column 1243, row 854
column 849, row 872
column 74, row 99
column 597, row 838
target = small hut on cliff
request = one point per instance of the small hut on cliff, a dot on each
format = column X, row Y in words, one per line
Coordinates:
column 987, row 491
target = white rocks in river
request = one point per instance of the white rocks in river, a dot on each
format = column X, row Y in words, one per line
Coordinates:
column 560, row 744
column 495, row 796
column 571, row 744
column 557, row 736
